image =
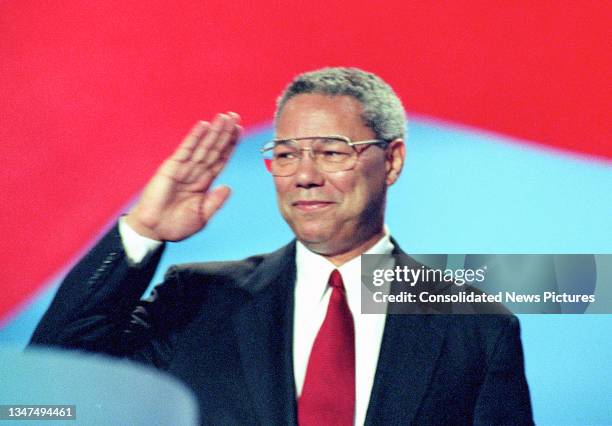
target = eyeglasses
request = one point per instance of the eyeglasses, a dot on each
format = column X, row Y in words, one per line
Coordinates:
column 330, row 153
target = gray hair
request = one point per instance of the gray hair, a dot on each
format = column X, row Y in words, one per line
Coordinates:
column 383, row 111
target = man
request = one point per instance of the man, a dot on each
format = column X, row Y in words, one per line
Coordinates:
column 279, row 338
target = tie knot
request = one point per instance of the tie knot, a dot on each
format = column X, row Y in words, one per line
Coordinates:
column 335, row 280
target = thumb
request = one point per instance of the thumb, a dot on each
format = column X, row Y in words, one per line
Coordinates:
column 213, row 201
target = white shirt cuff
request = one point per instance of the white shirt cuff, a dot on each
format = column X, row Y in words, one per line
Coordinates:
column 136, row 247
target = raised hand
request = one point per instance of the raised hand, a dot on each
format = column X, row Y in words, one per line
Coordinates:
column 177, row 202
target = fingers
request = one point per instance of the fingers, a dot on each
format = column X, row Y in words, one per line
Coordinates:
column 213, row 170
column 213, row 202
column 226, row 153
column 177, row 167
column 216, row 139
column 203, row 153
column 187, row 146
column 225, row 146
column 214, row 150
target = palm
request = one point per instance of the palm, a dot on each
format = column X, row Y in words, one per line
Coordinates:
column 177, row 202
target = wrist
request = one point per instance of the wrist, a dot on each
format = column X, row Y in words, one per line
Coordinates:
column 140, row 228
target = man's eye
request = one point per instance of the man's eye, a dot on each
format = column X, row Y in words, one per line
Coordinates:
column 334, row 154
column 284, row 155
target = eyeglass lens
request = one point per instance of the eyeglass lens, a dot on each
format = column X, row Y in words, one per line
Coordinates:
column 330, row 155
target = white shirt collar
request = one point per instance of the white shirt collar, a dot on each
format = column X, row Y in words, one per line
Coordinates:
column 312, row 296
column 313, row 271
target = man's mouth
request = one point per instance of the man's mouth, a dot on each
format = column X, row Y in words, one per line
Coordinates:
column 311, row 205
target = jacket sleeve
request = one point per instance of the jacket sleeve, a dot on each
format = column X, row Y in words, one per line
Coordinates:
column 504, row 394
column 97, row 308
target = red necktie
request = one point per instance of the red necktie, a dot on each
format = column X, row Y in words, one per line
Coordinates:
column 328, row 395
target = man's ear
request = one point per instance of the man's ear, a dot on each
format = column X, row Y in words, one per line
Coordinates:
column 396, row 154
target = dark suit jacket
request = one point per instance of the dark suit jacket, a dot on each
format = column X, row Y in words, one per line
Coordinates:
column 226, row 328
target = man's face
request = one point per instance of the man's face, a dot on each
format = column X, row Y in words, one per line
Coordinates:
column 331, row 213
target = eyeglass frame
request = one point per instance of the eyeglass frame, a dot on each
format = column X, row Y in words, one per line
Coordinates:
column 345, row 139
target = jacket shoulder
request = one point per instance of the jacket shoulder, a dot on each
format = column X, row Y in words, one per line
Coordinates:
column 233, row 273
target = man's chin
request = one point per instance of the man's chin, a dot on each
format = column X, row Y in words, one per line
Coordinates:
column 315, row 240
column 312, row 239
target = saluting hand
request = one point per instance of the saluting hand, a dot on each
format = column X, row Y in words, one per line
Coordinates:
column 177, row 202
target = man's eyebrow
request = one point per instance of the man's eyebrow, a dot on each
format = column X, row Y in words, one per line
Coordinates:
column 335, row 136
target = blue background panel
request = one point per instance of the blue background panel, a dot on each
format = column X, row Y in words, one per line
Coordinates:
column 461, row 191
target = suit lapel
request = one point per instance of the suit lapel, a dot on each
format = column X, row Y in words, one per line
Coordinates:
column 408, row 355
column 409, row 352
column 264, row 327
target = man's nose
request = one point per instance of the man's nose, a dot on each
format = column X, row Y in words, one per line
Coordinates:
column 307, row 174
